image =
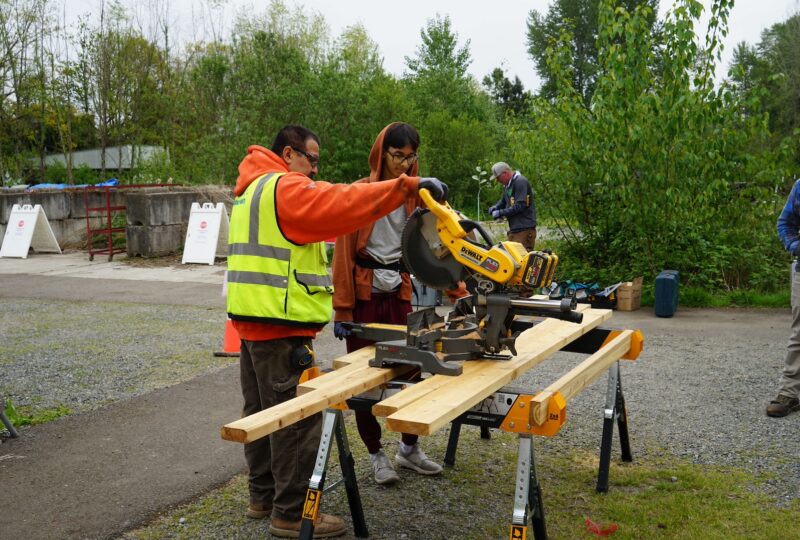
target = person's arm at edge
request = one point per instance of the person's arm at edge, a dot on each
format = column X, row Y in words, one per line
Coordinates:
column 789, row 222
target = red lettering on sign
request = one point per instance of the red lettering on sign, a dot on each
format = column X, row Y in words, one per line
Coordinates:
column 21, row 223
column 203, row 224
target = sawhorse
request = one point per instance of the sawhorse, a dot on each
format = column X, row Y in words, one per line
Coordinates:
column 333, row 427
column 528, row 501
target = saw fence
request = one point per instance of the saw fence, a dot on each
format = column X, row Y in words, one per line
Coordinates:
column 426, row 406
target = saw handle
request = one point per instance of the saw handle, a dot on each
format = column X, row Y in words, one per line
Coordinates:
column 469, row 226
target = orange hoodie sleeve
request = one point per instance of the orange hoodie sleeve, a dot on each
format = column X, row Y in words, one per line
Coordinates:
column 310, row 211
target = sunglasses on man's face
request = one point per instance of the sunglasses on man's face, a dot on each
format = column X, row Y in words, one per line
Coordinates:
column 312, row 159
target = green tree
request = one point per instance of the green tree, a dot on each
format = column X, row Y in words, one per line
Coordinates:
column 769, row 73
column 661, row 170
column 511, row 97
column 580, row 20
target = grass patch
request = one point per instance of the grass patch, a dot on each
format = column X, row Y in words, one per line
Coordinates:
column 28, row 417
column 703, row 298
column 656, row 496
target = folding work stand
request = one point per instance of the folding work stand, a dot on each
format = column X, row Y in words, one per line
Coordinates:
column 509, row 408
column 528, row 502
column 333, row 427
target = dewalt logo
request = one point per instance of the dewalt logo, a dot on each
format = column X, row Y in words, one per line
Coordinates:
column 470, row 254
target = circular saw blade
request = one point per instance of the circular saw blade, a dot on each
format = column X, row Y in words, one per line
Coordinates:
column 425, row 256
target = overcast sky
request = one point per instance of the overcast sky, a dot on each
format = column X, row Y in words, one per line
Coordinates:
column 496, row 30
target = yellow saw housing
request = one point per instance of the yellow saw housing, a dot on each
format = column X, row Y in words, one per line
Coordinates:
column 506, row 263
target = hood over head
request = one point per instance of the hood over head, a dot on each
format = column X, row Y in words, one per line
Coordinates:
column 258, row 162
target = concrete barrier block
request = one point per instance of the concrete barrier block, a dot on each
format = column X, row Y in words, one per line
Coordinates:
column 8, row 200
column 154, row 209
column 56, row 204
column 70, row 233
column 154, row 241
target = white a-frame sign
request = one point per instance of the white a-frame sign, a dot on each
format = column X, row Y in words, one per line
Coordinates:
column 28, row 228
column 207, row 234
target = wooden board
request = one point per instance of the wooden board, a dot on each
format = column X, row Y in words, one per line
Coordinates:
column 436, row 409
column 573, row 382
column 337, row 388
column 431, row 403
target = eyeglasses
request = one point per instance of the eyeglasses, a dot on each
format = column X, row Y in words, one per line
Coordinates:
column 400, row 159
column 312, row 159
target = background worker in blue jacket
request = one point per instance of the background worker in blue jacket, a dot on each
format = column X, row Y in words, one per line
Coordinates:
column 516, row 205
column 788, row 231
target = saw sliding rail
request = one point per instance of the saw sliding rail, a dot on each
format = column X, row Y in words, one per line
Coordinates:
column 509, row 409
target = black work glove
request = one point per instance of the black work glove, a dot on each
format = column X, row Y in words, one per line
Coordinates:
column 437, row 188
column 340, row 330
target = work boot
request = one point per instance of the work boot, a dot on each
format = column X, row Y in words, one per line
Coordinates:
column 417, row 461
column 259, row 510
column 384, row 471
column 782, row 405
column 325, row 526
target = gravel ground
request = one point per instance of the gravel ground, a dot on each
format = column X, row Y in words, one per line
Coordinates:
column 81, row 355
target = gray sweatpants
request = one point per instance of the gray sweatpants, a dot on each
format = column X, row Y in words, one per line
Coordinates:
column 790, row 382
column 281, row 463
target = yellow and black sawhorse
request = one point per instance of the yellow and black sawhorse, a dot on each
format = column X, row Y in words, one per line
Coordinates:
column 508, row 409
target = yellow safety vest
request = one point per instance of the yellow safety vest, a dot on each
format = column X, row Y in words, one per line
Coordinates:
column 270, row 278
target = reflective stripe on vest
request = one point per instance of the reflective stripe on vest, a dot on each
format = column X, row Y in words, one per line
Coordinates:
column 270, row 279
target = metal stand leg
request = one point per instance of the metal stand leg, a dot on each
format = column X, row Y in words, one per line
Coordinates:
column 332, row 426
column 528, row 496
column 614, row 411
column 347, row 463
column 452, row 444
column 6, row 422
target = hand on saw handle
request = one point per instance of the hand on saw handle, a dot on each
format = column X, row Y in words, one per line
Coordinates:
column 340, row 329
column 437, row 188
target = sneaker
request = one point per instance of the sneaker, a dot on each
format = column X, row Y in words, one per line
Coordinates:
column 326, row 526
column 384, row 471
column 417, row 461
column 258, row 510
column 782, row 405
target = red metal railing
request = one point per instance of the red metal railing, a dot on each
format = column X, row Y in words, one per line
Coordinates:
column 107, row 231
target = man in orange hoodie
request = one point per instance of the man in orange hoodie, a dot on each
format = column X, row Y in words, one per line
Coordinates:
column 372, row 286
column 279, row 297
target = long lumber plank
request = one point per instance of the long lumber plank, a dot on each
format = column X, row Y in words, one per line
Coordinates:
column 408, row 396
column 337, row 389
column 574, row 381
column 435, row 409
column 359, row 356
column 356, row 375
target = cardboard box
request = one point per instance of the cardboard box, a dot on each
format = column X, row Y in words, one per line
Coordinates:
column 629, row 295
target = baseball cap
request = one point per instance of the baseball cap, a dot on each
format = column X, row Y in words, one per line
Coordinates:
column 499, row 168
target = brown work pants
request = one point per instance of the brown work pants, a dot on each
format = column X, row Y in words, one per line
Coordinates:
column 527, row 238
column 281, row 463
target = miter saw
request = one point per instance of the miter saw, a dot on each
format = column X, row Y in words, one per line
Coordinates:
column 441, row 247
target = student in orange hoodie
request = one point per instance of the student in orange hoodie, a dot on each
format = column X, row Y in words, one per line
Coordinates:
column 279, row 297
column 371, row 285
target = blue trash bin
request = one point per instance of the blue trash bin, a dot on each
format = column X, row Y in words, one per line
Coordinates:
column 667, row 293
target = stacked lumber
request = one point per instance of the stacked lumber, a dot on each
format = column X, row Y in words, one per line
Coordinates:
column 431, row 404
